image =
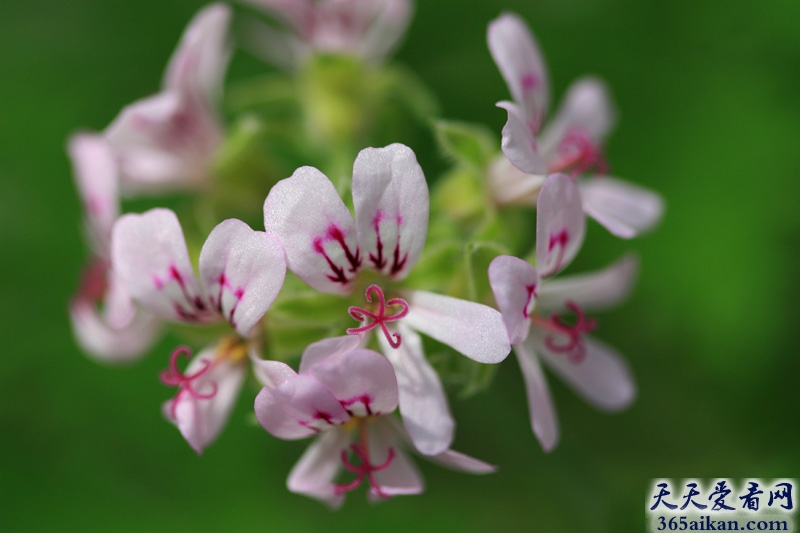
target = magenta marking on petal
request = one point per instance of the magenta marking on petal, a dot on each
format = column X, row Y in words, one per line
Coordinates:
column 397, row 263
column 364, row 399
column 579, row 154
column 379, row 318
column 334, row 233
column 575, row 347
column 531, row 294
column 378, row 261
column 238, row 293
column 559, row 240
column 158, row 282
column 530, row 81
column 175, row 378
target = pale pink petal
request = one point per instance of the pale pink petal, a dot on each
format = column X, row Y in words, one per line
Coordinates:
column 242, row 272
column 625, row 209
column 391, row 204
column 197, row 68
column 472, row 329
column 602, row 378
column 200, row 420
column 400, row 476
column 423, row 403
column 96, row 175
column 587, row 110
column 560, row 224
column 464, row 463
column 149, row 254
column 596, row 290
column 510, row 186
column 317, row 231
column 362, row 380
column 294, row 13
column 519, row 143
column 325, row 348
column 271, row 373
column 517, row 56
column 515, row 285
column 118, row 308
column 271, row 45
column 314, row 473
column 544, row 422
column 298, row 407
column 386, row 29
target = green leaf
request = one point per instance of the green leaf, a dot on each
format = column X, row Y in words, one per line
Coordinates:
column 468, row 144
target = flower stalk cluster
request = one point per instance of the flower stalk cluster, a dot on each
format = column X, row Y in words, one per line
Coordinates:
column 351, row 235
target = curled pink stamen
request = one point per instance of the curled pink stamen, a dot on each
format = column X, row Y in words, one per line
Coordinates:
column 175, row 378
column 378, row 318
column 575, row 348
column 365, row 469
column 578, row 155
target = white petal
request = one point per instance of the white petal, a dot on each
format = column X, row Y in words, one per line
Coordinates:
column 464, row 463
column 199, row 420
column 386, row 29
column 519, row 143
column 587, row 108
column 271, row 373
column 625, row 209
column 391, row 203
column 423, row 403
column 314, row 473
column 325, row 348
column 472, row 329
column 242, row 272
column 517, row 56
column 149, row 254
column 362, row 380
column 96, row 176
column 544, row 422
column 602, row 378
column 400, row 476
column 560, row 224
column 198, row 65
column 596, row 290
column 510, row 186
column 515, row 285
column 299, row 407
column 316, row 229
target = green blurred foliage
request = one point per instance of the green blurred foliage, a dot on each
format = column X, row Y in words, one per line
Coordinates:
column 710, row 116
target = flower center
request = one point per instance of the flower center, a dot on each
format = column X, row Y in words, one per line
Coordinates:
column 575, row 346
column 365, row 469
column 185, row 382
column 379, row 318
column 578, row 154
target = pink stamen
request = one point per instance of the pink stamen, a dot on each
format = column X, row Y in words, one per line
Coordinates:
column 175, row 378
column 379, row 318
column 365, row 469
column 578, row 155
column 575, row 348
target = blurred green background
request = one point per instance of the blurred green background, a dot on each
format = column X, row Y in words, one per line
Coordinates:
column 709, row 116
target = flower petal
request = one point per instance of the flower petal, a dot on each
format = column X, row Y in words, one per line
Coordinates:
column 423, row 403
column 519, row 143
column 602, row 378
column 149, row 254
column 472, row 329
column 271, row 373
column 201, row 420
column 517, row 56
column 560, row 224
column 464, row 463
column 514, row 284
column 316, row 229
column 625, row 209
column 596, row 290
column 386, row 29
column 391, row 204
column 511, row 186
column 96, row 175
column 242, row 272
column 362, row 380
column 400, row 476
column 314, row 473
column 586, row 109
column 544, row 422
column 320, row 350
column 298, row 407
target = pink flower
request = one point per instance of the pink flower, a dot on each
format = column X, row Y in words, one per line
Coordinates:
column 241, row 273
column 327, row 249
column 345, row 395
column 369, row 29
column 534, row 310
column 570, row 143
column 167, row 141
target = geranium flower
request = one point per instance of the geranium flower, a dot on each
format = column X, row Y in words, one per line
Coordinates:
column 345, row 395
column 104, row 320
column 369, row 29
column 536, row 312
column 327, row 249
column 241, row 273
column 167, row 141
column 570, row 143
